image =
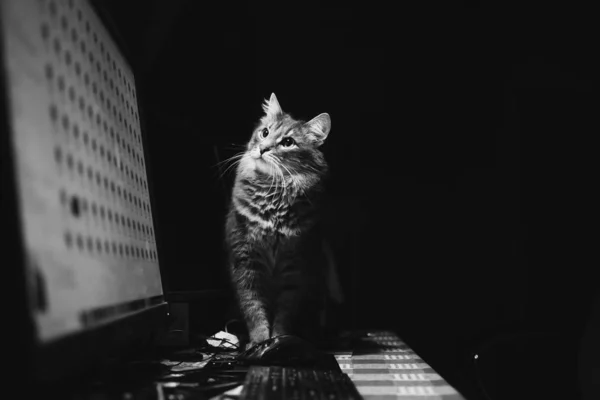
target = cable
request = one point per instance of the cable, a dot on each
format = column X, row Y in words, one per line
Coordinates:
column 230, row 321
column 479, row 380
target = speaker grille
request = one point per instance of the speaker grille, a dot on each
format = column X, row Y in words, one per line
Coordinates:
column 80, row 162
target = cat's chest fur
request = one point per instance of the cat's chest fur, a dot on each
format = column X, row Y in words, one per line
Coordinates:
column 272, row 213
column 275, row 221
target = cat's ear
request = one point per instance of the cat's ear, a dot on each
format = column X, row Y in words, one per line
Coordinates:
column 271, row 107
column 319, row 127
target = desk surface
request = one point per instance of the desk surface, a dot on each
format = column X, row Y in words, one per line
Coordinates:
column 383, row 367
column 386, row 368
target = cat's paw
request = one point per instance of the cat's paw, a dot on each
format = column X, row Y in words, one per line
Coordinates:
column 258, row 335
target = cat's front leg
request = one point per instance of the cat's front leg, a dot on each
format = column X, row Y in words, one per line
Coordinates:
column 285, row 312
column 252, row 302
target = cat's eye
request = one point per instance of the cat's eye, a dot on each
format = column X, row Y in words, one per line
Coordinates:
column 264, row 133
column 287, row 142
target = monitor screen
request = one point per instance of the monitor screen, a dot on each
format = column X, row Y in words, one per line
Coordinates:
column 80, row 173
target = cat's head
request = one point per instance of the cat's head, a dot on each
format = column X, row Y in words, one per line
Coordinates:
column 281, row 146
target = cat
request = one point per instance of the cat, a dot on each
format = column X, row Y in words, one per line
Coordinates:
column 277, row 261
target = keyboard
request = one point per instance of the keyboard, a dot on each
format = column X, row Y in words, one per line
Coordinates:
column 297, row 383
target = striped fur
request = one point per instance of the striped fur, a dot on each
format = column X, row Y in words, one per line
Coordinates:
column 273, row 234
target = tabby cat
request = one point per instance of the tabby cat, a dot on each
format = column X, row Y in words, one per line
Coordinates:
column 277, row 262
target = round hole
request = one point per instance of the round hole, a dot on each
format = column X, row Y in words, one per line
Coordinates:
column 90, row 173
column 90, row 112
column 106, row 247
column 62, row 195
column 64, row 24
column 94, row 210
column 109, row 215
column 61, row 83
column 80, row 168
column 68, row 58
column 70, row 161
column 76, row 131
column 65, row 122
column 98, row 245
column 52, row 8
column 77, row 68
column 94, row 145
column 90, row 244
column 58, row 155
column 68, row 239
column 79, row 242
column 98, row 178
column 86, row 138
column 57, row 46
column 75, row 206
column 86, row 79
column 74, row 36
column 72, row 94
column 114, row 247
column 49, row 72
column 53, row 111
column 81, row 104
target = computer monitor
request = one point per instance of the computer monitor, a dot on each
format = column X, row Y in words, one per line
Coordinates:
column 77, row 210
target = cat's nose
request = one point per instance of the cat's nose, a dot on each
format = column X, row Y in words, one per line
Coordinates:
column 264, row 149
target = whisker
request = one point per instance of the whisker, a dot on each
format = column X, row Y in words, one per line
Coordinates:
column 278, row 174
column 235, row 156
column 279, row 164
column 273, row 180
column 233, row 165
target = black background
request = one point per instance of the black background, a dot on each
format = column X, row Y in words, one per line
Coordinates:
column 458, row 150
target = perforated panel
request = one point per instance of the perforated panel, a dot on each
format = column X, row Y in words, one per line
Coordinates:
column 81, row 172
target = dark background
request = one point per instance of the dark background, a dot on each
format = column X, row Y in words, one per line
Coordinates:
column 457, row 148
